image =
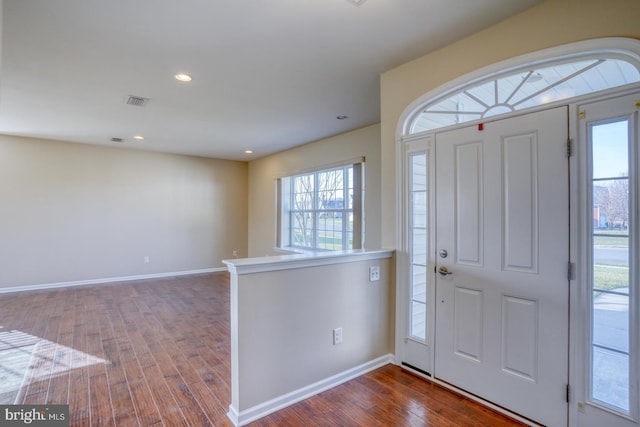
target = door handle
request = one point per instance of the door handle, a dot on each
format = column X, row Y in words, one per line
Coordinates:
column 444, row 271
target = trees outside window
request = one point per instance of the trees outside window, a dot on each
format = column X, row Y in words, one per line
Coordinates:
column 322, row 209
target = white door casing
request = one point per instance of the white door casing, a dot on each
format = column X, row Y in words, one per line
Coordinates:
column 502, row 216
column 581, row 411
column 419, row 220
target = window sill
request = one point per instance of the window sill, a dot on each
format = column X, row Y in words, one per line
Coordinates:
column 291, row 250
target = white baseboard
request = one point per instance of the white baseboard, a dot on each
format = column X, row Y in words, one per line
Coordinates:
column 249, row 415
column 108, row 280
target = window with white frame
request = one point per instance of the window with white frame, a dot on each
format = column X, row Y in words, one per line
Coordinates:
column 525, row 88
column 322, row 209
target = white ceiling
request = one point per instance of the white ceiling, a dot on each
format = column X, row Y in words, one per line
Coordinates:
column 267, row 74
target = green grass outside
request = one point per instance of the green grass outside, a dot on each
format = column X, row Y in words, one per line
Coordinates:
column 329, row 242
column 608, row 277
column 325, row 239
column 611, row 241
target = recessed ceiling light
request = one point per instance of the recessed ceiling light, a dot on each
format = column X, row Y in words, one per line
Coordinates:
column 138, row 137
column 342, row 117
column 248, row 151
column 182, row 77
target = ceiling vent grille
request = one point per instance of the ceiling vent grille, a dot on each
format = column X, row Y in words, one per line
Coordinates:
column 114, row 139
column 137, row 101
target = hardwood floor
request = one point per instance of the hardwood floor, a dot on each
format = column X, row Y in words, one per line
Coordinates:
column 156, row 353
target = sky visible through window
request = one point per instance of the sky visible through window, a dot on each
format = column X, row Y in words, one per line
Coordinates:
column 610, row 148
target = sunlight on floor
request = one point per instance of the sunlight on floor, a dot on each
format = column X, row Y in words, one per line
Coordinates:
column 26, row 358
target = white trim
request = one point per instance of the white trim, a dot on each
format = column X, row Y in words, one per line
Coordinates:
column 581, row 295
column 249, row 415
column 285, row 193
column 576, row 242
column 401, row 275
column 302, row 260
column 108, row 280
column 624, row 48
column 422, row 144
column 319, row 168
column 621, row 47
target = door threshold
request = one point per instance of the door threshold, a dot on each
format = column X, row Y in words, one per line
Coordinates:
column 471, row 396
column 413, row 369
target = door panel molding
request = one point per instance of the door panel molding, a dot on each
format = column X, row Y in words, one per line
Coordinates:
column 469, row 205
column 520, row 341
column 520, row 207
column 469, row 314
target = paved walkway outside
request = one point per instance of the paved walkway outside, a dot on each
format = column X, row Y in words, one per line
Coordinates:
column 611, row 367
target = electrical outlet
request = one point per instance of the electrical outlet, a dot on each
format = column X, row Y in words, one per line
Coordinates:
column 374, row 273
column 147, row 259
column 337, row 336
column 235, row 253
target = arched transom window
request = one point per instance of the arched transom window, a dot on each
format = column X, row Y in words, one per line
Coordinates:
column 525, row 89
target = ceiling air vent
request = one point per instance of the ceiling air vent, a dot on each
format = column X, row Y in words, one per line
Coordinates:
column 114, row 139
column 138, row 101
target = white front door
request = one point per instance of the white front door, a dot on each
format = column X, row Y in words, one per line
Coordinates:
column 502, row 250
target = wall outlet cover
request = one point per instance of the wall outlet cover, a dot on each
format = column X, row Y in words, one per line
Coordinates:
column 374, row 273
column 337, row 336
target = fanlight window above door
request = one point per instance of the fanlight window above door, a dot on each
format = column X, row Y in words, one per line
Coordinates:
column 525, row 89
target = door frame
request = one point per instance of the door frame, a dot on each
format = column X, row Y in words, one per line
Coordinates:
column 581, row 225
column 423, row 144
column 403, row 258
column 628, row 48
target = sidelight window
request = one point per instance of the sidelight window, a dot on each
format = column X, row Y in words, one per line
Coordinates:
column 610, row 273
column 418, row 244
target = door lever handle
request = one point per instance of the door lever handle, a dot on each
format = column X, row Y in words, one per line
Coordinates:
column 444, row 271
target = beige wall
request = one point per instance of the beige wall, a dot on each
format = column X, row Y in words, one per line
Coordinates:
column 282, row 326
column 363, row 142
column 73, row 212
column 550, row 24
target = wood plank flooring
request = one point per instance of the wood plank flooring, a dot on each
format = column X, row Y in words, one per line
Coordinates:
column 157, row 353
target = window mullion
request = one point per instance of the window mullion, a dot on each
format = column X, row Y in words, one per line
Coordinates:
column 357, row 206
column 316, row 214
column 345, row 207
column 291, row 209
column 557, row 83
